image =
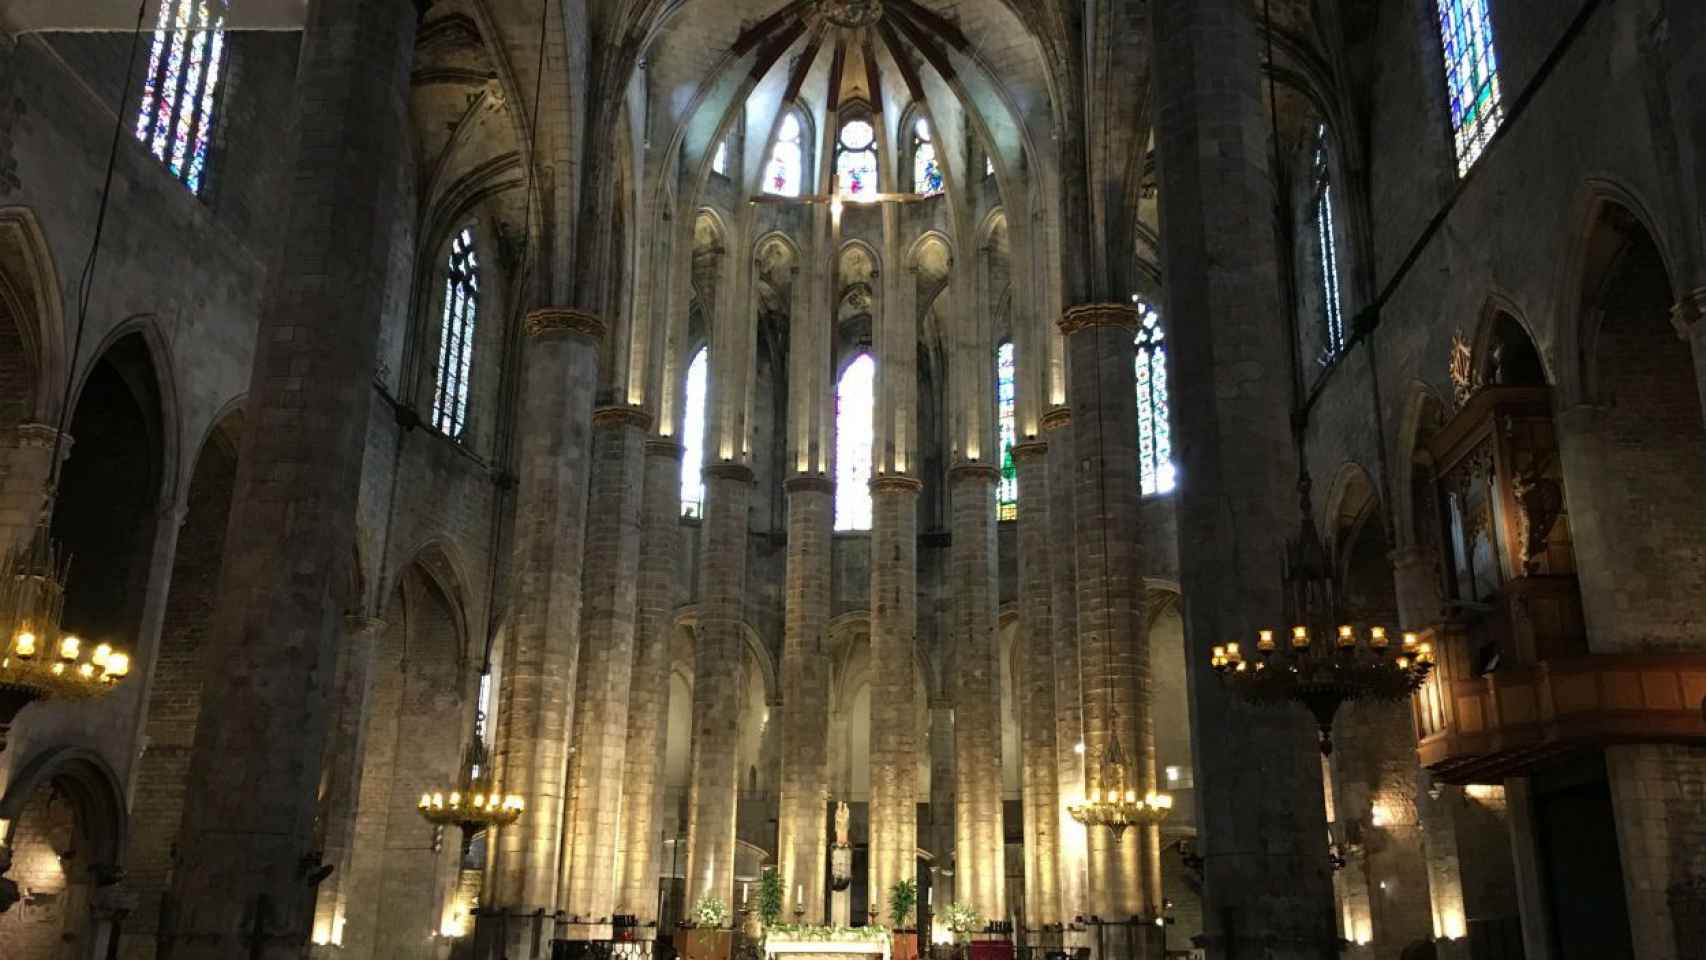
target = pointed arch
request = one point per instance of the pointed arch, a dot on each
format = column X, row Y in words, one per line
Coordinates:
column 29, row 294
column 855, row 433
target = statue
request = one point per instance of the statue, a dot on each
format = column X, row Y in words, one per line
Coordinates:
column 841, row 854
column 843, row 816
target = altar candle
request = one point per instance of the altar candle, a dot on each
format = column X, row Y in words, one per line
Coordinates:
column 800, row 893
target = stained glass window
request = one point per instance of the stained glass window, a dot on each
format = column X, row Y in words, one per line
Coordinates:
column 855, row 415
column 693, row 436
column 926, row 172
column 720, row 161
column 786, row 159
column 1154, row 427
column 856, row 159
column 1327, row 249
column 456, row 335
column 175, row 121
column 1471, row 76
column 1006, row 420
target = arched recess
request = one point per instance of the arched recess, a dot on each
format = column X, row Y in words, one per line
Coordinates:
column 175, row 679
column 406, row 882
column 1634, row 453
column 118, row 472
column 65, row 827
column 29, row 296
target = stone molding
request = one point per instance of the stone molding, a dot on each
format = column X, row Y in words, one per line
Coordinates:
column 356, row 625
column 896, row 483
column 659, row 447
column 1028, row 449
column 622, row 417
column 729, row 471
column 1088, row 315
column 809, row 484
column 1689, row 314
column 1056, row 418
column 38, row 436
column 557, row 321
column 973, row 471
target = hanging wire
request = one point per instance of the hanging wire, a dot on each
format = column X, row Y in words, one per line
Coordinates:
column 86, row 281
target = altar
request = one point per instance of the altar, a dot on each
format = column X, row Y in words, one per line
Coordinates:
column 827, row 948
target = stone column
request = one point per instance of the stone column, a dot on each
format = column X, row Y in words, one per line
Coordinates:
column 894, row 700
column 559, row 368
column 941, row 749
column 802, row 845
column 1689, row 317
column 1532, row 901
column 980, row 865
column 718, row 654
column 1063, row 629
column 249, row 813
column 1124, row 871
column 609, row 598
column 1268, row 887
column 648, row 699
column 1037, row 718
column 345, row 748
column 25, row 454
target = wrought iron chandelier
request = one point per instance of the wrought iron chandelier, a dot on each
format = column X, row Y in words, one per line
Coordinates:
column 1325, row 662
column 475, row 803
column 1115, row 804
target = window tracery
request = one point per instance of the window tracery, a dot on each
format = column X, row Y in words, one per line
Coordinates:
column 456, row 336
column 1154, row 427
column 175, row 121
column 926, row 171
column 783, row 176
column 1471, row 76
column 693, row 436
column 855, row 416
column 856, row 159
column 1327, row 250
column 1006, row 397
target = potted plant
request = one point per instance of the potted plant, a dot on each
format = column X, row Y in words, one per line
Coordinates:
column 770, row 898
column 962, row 921
column 708, row 937
column 903, row 898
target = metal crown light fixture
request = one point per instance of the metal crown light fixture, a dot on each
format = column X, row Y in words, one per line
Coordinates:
column 1324, row 663
column 1116, row 804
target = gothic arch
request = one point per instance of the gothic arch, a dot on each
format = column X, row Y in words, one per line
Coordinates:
column 93, row 786
column 1424, row 412
column 168, row 411
column 446, row 565
column 29, row 292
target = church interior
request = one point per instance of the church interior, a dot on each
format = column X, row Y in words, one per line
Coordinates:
column 852, row 479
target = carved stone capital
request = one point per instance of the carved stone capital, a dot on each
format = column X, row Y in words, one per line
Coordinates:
column 1689, row 314
column 564, row 321
column 658, row 447
column 729, row 471
column 622, row 417
column 895, row 483
column 980, row 472
column 807, row 483
column 1088, row 315
column 1057, row 418
column 1037, row 449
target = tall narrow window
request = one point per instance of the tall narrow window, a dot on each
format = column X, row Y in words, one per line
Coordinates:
column 926, row 172
column 456, row 335
column 175, row 121
column 1327, row 250
column 782, row 177
column 720, row 160
column 1471, row 76
column 1154, row 427
column 693, row 436
column 1007, row 422
column 856, row 159
column 855, row 414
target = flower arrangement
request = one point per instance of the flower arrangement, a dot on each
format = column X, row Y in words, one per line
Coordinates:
column 770, row 897
column 903, row 897
column 709, row 911
column 961, row 919
column 815, row 933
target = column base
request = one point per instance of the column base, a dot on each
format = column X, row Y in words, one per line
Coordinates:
column 514, row 935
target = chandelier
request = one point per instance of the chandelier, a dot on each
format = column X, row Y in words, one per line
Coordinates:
column 475, row 802
column 40, row 661
column 1321, row 666
column 1115, row 804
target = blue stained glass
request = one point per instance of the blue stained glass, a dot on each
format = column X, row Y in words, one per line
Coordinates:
column 856, row 159
column 1471, row 76
column 456, row 336
column 1327, row 248
column 693, row 435
column 1154, row 427
column 146, row 114
column 855, row 429
column 175, row 118
column 1006, row 397
column 926, row 171
column 783, row 175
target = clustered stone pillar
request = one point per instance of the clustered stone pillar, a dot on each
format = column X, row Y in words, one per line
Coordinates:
column 239, row 885
column 802, row 843
column 1689, row 317
column 1040, row 781
column 1268, row 888
column 718, row 654
column 1124, row 870
column 553, row 457
column 1063, row 631
column 980, row 869
column 648, row 698
column 606, row 661
column 894, row 700
column 345, row 748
